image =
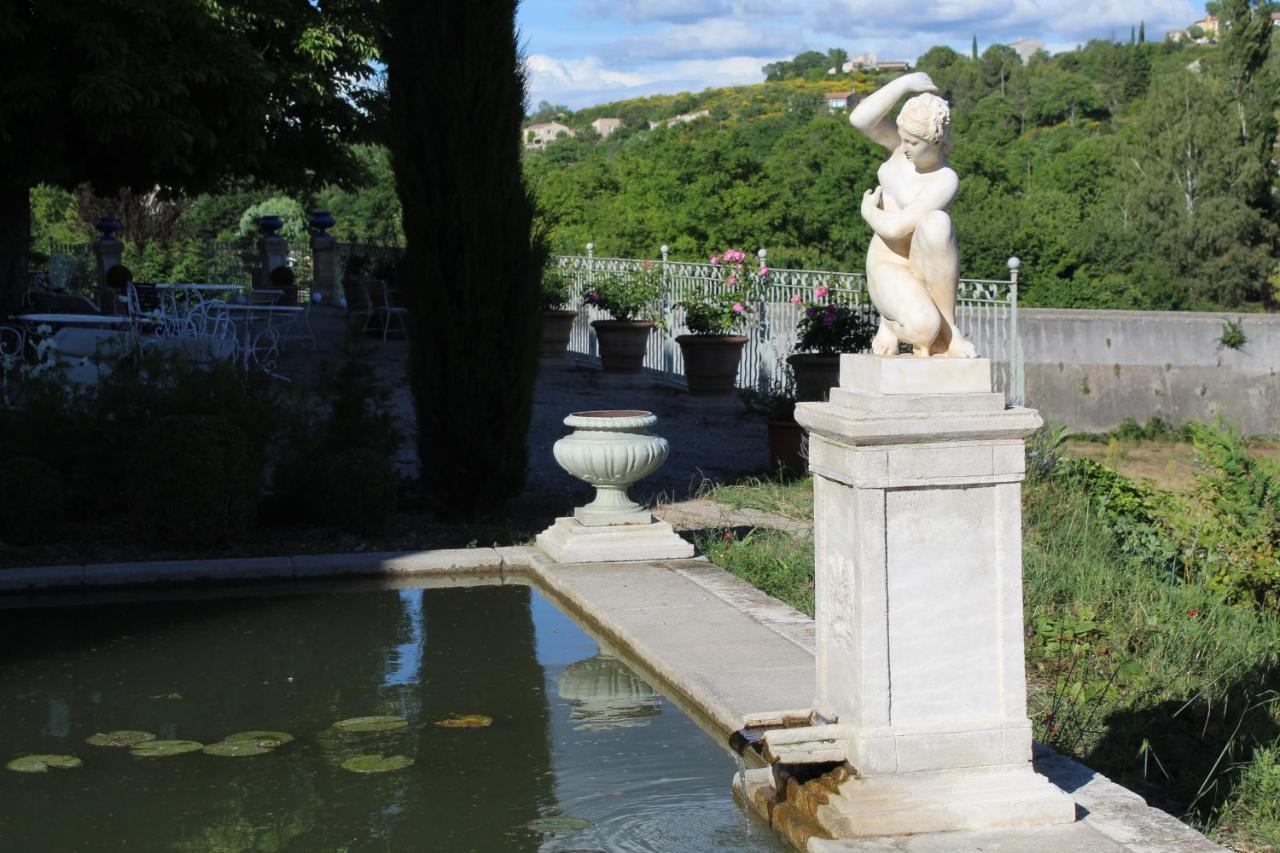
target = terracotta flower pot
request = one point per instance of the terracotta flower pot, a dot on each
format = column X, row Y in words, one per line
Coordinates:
column 815, row 375
column 623, row 344
column 711, row 362
column 557, row 326
column 786, row 440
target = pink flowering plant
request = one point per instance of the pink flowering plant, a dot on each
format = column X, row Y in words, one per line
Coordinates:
column 726, row 306
column 832, row 324
column 629, row 295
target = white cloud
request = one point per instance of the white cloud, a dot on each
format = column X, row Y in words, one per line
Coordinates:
column 711, row 38
column 679, row 11
column 582, row 83
column 548, row 74
column 998, row 20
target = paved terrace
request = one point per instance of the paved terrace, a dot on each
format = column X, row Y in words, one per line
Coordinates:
column 710, row 440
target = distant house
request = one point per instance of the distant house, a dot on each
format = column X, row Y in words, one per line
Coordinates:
column 1201, row 32
column 892, row 65
column 683, row 118
column 538, row 135
column 1026, row 48
column 840, row 100
column 606, row 126
column 861, row 62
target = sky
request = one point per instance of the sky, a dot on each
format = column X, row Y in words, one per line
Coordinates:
column 586, row 52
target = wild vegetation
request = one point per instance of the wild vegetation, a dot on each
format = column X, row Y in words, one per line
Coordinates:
column 1152, row 619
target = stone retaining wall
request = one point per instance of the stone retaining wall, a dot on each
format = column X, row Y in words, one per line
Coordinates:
column 1092, row 369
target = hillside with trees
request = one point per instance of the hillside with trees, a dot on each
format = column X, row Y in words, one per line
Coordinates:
column 1124, row 175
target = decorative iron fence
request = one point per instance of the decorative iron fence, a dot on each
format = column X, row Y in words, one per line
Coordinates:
column 72, row 269
column 986, row 311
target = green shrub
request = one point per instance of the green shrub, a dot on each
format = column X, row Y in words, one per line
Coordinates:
column 195, row 482
column 32, row 502
column 1235, row 537
column 356, row 491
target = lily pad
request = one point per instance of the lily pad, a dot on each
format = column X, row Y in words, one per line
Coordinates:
column 270, row 740
column 124, row 737
column 42, row 763
column 164, row 748
column 371, row 724
column 239, row 748
column 558, row 824
column 466, row 721
column 377, row 763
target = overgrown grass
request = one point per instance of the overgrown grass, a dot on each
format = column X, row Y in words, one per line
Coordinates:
column 770, row 560
column 788, row 498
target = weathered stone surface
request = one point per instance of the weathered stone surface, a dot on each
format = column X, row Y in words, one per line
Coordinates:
column 898, row 375
column 570, row 541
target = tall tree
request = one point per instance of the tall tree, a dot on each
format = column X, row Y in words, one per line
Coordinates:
column 1142, row 32
column 973, row 48
column 456, row 100
column 171, row 95
column 837, row 56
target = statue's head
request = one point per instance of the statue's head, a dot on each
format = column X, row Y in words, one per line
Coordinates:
column 925, row 127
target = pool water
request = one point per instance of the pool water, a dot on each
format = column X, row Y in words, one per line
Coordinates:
column 574, row 734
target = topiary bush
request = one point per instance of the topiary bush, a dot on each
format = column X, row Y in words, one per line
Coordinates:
column 195, row 482
column 32, row 502
column 356, row 491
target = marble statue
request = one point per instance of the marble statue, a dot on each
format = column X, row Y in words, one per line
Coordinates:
column 913, row 262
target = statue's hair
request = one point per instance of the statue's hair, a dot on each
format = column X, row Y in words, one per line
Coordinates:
column 928, row 117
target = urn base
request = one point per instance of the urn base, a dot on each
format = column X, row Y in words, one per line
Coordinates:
column 570, row 541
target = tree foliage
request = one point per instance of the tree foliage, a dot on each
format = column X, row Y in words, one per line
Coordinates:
column 1118, row 173
column 174, row 95
column 456, row 92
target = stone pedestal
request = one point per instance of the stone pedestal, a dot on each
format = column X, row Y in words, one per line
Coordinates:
column 324, row 267
column 109, row 252
column 571, row 541
column 917, row 470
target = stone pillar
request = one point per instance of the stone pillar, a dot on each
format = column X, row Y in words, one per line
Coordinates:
column 273, row 250
column 324, row 258
column 108, row 250
column 917, row 470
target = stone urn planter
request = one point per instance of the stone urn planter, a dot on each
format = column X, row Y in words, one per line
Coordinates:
column 815, row 375
column 611, row 450
column 557, row 327
column 711, row 362
column 786, row 446
column 622, row 344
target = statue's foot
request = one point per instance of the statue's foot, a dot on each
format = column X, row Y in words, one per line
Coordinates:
column 960, row 346
column 885, row 342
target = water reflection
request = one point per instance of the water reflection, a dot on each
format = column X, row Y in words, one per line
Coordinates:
column 564, row 739
column 606, row 694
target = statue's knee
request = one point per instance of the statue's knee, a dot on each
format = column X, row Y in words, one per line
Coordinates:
column 922, row 330
column 935, row 229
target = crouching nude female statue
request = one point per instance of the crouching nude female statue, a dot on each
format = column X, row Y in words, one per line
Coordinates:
column 913, row 262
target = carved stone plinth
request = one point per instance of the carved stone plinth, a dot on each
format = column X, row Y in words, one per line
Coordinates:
column 571, row 541
column 918, row 552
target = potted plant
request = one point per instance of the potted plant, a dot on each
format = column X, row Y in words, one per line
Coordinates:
column 283, row 280
column 827, row 328
column 557, row 316
column 632, row 300
column 714, row 317
column 777, row 403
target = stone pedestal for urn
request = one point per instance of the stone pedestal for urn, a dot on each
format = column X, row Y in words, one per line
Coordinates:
column 611, row 450
column 917, row 470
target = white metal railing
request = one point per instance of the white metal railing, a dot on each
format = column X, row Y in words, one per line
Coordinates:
column 986, row 312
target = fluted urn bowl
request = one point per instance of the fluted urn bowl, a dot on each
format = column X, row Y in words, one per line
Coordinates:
column 611, row 450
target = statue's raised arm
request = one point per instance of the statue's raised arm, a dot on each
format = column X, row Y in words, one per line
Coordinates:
column 913, row 262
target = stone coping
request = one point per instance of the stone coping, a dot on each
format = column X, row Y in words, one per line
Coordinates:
column 721, row 649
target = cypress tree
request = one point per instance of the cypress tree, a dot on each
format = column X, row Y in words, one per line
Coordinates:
column 455, row 85
column 973, row 49
column 1142, row 32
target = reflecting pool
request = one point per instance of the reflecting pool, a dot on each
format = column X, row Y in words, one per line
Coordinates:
column 581, row 754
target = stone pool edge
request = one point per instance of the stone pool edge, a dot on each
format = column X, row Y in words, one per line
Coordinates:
column 1112, row 810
